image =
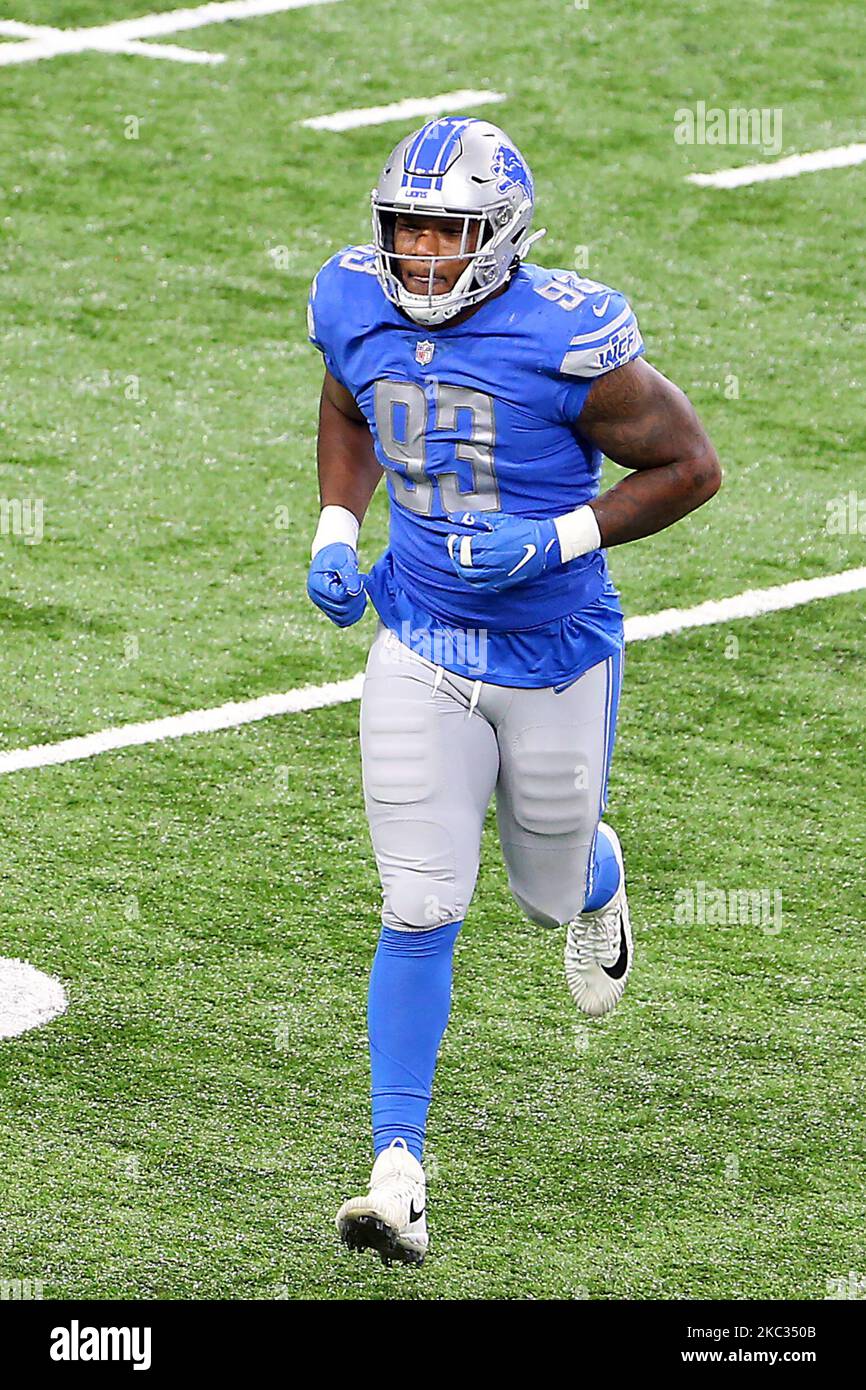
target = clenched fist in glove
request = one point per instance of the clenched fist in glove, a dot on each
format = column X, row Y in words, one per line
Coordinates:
column 499, row 550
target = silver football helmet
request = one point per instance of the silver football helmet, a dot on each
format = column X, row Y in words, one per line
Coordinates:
column 455, row 167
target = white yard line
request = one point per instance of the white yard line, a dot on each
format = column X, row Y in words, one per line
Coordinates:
column 28, row 998
column 403, row 110
column 750, row 604
column 198, row 721
column 40, row 41
column 172, row 52
column 56, row 41
column 151, row 26
column 789, row 168
column 16, row 29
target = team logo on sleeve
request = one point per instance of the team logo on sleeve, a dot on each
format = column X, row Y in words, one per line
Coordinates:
column 619, row 347
column 424, row 353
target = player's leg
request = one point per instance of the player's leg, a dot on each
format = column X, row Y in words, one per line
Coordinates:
column 429, row 772
column 565, row 864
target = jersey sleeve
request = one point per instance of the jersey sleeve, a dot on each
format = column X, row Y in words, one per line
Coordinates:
column 607, row 336
column 323, row 319
column 602, row 334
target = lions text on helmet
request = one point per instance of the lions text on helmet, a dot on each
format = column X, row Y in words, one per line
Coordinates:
column 451, row 218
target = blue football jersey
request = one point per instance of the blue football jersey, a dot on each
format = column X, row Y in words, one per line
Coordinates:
column 481, row 416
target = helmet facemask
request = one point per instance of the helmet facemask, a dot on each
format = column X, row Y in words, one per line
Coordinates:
column 478, row 280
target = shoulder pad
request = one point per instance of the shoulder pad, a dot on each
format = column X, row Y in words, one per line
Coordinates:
column 604, row 331
column 325, row 291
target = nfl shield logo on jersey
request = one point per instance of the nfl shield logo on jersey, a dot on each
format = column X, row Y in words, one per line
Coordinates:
column 424, row 353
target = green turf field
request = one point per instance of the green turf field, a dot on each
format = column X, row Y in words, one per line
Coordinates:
column 189, row 1127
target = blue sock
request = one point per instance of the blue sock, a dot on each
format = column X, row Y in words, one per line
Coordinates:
column 605, row 874
column 407, row 1010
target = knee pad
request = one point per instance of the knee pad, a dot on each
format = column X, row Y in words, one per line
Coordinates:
column 419, row 882
column 417, row 902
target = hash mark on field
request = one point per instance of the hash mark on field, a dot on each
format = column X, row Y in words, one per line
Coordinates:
column 840, row 157
column 750, row 604
column 125, row 36
column 403, row 110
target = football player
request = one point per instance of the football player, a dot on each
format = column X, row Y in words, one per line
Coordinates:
column 486, row 389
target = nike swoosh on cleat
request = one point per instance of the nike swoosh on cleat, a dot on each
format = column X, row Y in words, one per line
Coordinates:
column 530, row 551
column 601, row 309
column 617, row 970
column 413, row 1214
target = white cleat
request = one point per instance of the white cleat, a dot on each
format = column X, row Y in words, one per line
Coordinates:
column 392, row 1217
column 599, row 950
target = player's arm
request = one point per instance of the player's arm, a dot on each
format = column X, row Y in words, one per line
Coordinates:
column 348, row 475
column 348, row 468
column 644, row 422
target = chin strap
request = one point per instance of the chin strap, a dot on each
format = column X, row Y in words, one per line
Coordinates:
column 531, row 240
column 434, row 314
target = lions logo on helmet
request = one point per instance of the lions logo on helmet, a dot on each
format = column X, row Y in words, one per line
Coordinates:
column 511, row 171
column 455, row 167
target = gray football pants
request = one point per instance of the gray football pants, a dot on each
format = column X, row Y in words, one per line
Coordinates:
column 434, row 748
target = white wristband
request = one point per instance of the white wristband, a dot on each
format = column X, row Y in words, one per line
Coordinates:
column 578, row 533
column 337, row 525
